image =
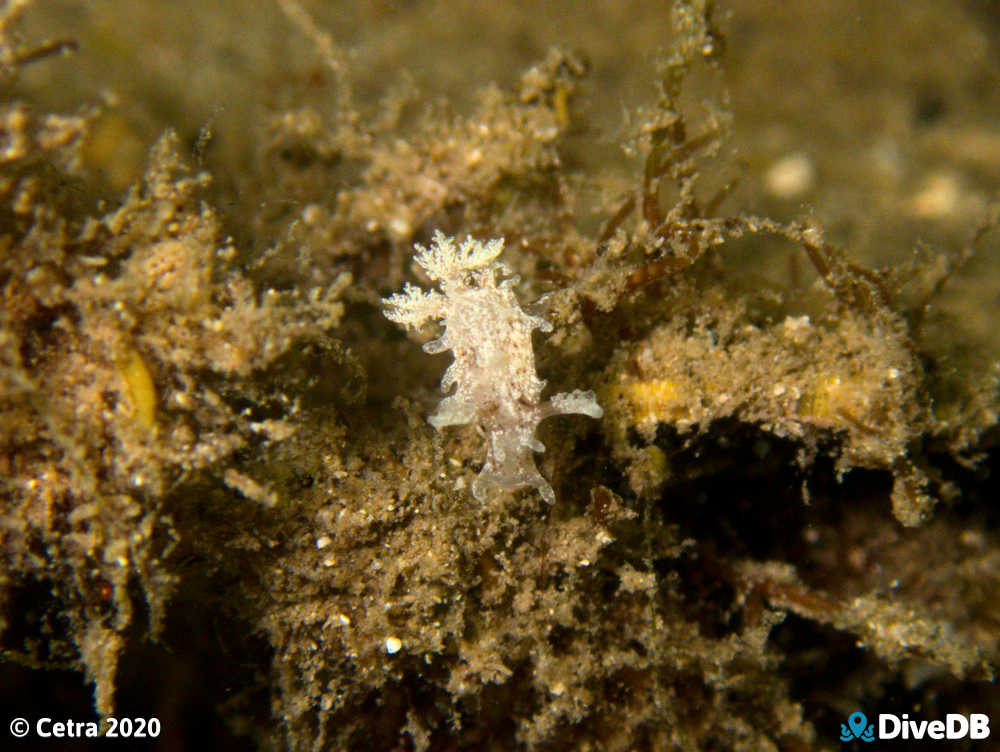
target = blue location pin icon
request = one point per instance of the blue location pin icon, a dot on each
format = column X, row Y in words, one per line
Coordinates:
column 857, row 722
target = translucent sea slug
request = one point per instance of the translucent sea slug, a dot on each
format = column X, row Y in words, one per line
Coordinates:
column 493, row 374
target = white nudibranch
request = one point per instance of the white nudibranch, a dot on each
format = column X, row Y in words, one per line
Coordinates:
column 493, row 373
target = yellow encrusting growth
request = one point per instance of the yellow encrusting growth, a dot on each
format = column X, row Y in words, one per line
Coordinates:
column 140, row 388
column 650, row 401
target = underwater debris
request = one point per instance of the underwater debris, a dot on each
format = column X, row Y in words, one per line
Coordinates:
column 494, row 366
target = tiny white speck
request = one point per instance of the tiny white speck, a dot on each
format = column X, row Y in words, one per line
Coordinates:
column 399, row 226
column 322, row 542
column 791, row 176
column 393, row 645
column 312, row 214
column 939, row 196
column 794, row 325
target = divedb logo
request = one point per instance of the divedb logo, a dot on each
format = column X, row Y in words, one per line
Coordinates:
column 891, row 726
